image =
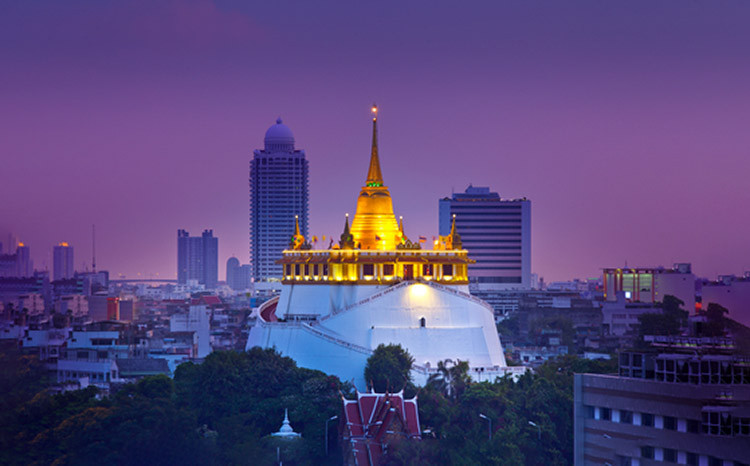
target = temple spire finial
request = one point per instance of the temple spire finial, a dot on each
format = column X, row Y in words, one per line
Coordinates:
column 374, row 175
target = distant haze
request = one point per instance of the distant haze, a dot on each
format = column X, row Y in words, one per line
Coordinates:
column 624, row 122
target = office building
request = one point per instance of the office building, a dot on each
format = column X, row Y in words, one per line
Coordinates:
column 278, row 193
column 651, row 284
column 495, row 231
column 198, row 258
column 685, row 400
column 63, row 262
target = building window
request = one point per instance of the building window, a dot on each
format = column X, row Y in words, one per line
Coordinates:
column 422, row 322
column 368, row 270
column 692, row 459
column 670, row 455
column 605, row 414
column 408, row 271
column 693, row 426
column 296, row 269
column 315, row 269
column 325, row 270
column 670, row 423
column 307, row 269
column 717, row 423
column 626, row 417
column 742, row 426
column 427, row 270
column 288, row 269
column 448, row 269
column 647, row 419
column 647, row 452
column 388, row 269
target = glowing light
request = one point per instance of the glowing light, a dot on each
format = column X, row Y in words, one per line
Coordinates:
column 418, row 290
column 64, row 244
column 20, row 245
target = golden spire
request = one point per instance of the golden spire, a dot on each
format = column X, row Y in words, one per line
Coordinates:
column 374, row 175
column 401, row 224
column 455, row 238
column 347, row 240
column 374, row 225
column 298, row 241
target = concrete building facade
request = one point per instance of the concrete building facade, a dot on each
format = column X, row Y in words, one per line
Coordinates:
column 63, row 262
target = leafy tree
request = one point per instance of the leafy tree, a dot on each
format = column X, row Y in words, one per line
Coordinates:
column 389, row 368
column 670, row 321
column 452, row 378
column 715, row 321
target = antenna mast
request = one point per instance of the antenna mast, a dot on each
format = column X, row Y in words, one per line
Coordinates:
column 93, row 248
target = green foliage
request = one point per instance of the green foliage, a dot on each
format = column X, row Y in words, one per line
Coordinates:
column 455, row 434
column 715, row 324
column 219, row 412
column 389, row 368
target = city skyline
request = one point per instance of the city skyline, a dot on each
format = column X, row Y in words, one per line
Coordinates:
column 623, row 124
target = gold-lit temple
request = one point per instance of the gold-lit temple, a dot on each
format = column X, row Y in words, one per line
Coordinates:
column 375, row 249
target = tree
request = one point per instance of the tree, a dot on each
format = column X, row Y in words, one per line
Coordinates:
column 389, row 368
column 715, row 320
column 670, row 321
column 452, row 378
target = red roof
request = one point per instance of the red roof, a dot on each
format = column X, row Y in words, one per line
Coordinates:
column 372, row 418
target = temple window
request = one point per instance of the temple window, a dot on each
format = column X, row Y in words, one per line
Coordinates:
column 427, row 269
column 296, row 269
column 422, row 322
column 388, row 269
column 288, row 269
column 448, row 269
column 315, row 269
column 307, row 269
column 409, row 271
column 368, row 270
column 325, row 270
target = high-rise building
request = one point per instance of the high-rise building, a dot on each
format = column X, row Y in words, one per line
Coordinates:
column 278, row 193
column 238, row 276
column 63, row 262
column 497, row 234
column 198, row 258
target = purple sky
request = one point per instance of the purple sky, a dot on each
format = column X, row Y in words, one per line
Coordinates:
column 625, row 123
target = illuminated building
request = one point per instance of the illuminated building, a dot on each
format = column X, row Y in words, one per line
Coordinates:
column 377, row 287
column 278, row 192
column 63, row 262
column 651, row 284
column 18, row 264
column 198, row 258
column 497, row 233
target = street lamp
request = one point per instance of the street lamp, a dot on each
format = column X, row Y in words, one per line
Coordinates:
column 489, row 427
column 538, row 429
column 327, row 421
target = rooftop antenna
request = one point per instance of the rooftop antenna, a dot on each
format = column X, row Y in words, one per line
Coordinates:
column 93, row 248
